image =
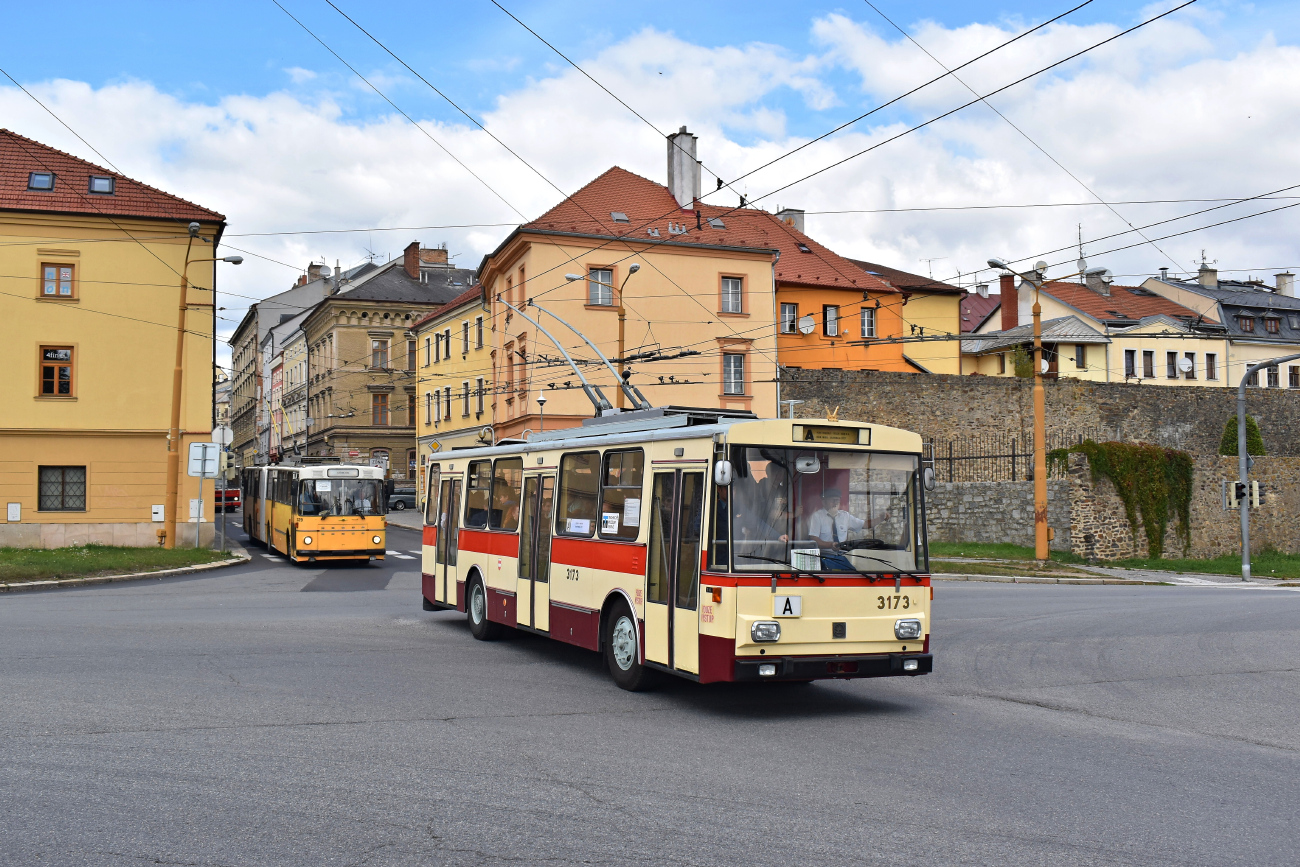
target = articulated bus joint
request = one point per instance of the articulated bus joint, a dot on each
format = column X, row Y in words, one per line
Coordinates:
column 840, row 667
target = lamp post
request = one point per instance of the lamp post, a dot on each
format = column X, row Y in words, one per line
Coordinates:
column 622, row 317
column 174, row 432
column 1243, row 459
column 1035, row 279
column 541, row 411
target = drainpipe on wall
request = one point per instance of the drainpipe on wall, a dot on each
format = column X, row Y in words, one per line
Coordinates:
column 776, row 336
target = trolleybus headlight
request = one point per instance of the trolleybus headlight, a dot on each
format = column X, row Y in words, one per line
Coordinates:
column 767, row 669
column 376, row 540
column 765, row 630
column 906, row 629
column 909, row 665
column 306, row 540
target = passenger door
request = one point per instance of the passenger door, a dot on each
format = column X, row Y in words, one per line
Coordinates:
column 672, row 629
column 533, row 589
column 447, row 542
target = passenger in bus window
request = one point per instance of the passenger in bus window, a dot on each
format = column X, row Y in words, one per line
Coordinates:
column 307, row 502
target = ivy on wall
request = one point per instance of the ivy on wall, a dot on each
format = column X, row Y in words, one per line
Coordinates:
column 1153, row 483
column 1254, row 441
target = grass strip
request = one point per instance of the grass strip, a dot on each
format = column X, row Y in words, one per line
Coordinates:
column 1265, row 564
column 46, row 564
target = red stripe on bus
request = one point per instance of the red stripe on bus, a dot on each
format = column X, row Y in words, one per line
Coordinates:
column 429, row 536
column 495, row 544
column 804, row 581
column 610, row 556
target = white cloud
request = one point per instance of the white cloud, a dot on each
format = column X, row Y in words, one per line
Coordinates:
column 1154, row 116
column 298, row 75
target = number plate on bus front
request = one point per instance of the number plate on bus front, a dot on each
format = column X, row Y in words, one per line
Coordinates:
column 787, row 606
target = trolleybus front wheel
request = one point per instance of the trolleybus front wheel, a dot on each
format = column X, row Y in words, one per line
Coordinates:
column 476, row 608
column 622, row 651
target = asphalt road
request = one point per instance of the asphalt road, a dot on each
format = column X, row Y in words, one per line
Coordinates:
column 270, row 714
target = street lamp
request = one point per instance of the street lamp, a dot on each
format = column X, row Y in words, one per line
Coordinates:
column 1035, row 279
column 174, row 432
column 622, row 317
column 1243, row 459
column 541, row 411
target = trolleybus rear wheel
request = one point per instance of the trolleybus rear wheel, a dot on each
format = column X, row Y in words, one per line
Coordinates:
column 623, row 652
column 476, row 608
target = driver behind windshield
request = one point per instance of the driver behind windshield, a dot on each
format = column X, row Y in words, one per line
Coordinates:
column 831, row 526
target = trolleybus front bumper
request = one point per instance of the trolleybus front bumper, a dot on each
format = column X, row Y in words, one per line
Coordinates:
column 812, row 667
column 377, row 553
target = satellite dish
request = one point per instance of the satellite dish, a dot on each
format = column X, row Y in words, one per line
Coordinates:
column 1185, row 365
column 324, row 270
column 1046, row 367
column 807, row 324
column 1082, row 264
column 1040, row 266
column 982, row 290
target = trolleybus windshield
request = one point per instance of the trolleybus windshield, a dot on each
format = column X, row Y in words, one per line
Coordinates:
column 340, row 497
column 822, row 510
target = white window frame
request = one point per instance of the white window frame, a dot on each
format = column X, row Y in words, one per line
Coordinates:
column 733, row 373
column 831, row 320
column 789, row 323
column 868, row 322
column 600, row 292
column 479, row 391
column 733, row 295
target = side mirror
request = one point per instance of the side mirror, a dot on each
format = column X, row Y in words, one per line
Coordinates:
column 927, row 478
column 722, row 474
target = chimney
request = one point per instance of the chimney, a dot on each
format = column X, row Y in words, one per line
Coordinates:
column 792, row 217
column 302, row 280
column 1098, row 283
column 1164, row 273
column 1285, row 284
column 1009, row 301
column 1208, row 277
column 683, row 168
column 435, row 256
column 411, row 260
column 313, row 272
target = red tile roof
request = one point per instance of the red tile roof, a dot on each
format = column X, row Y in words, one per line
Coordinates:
column 905, row 280
column 974, row 310
column 650, row 206
column 20, row 156
column 469, row 294
column 1122, row 303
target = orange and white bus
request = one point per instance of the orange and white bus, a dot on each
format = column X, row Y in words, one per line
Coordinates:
column 323, row 512
column 692, row 543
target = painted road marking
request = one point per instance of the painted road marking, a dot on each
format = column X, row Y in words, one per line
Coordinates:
column 399, row 555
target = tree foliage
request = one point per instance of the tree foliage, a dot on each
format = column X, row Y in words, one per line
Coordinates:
column 1254, row 441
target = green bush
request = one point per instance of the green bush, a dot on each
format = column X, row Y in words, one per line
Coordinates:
column 1022, row 359
column 1254, row 441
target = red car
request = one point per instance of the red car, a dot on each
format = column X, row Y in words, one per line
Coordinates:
column 227, row 500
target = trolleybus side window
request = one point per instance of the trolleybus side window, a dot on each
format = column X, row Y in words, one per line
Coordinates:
column 579, row 481
column 431, row 498
column 620, row 494
column 507, row 476
column 688, row 551
column 477, row 499
column 719, row 543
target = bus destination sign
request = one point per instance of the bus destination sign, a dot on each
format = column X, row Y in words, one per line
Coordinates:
column 854, row 436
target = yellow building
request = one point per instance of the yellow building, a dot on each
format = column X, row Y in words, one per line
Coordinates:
column 928, row 308
column 93, row 263
column 454, row 378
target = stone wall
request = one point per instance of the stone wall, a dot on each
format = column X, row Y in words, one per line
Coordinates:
column 996, row 512
column 945, row 407
column 133, row 534
column 1100, row 529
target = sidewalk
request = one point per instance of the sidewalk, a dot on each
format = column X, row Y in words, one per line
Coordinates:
column 410, row 519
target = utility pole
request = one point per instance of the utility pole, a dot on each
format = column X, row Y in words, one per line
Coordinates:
column 1243, row 459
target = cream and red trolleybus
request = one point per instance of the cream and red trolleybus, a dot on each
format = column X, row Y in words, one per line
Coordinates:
column 708, row 545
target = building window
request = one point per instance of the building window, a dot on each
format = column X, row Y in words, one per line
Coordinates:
column 868, row 322
column 831, row 320
column 1293, row 377
column 1246, row 323
column 446, row 343
column 478, row 393
column 1148, row 364
column 410, row 355
column 1211, row 366
column 436, row 397
column 62, row 489
column 428, row 352
column 410, row 410
column 56, row 371
column 379, row 409
column 733, row 373
column 478, row 332
column 464, row 399
column 102, row 185
column 789, row 316
column 464, row 338
column 1002, row 362
column 1252, row 379
column 733, row 298
column 40, row 181
column 1273, row 377
column 1130, row 363
column 1171, row 365
column 1081, row 356
column 1191, row 365
column 1272, row 325
column 428, row 408
column 600, row 287
column 446, row 395
column 57, row 281
column 379, row 354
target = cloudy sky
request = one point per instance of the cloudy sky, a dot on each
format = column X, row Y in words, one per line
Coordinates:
column 242, row 110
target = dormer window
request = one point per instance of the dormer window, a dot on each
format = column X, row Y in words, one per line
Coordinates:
column 102, row 185
column 1246, row 323
column 1272, row 324
column 619, row 217
column 716, row 223
column 40, row 181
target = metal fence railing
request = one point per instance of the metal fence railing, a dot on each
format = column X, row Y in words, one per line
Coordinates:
column 996, row 458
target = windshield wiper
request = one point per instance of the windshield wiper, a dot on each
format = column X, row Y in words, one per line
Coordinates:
column 788, row 568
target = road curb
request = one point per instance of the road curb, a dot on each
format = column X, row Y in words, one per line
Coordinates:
column 113, row 579
column 1029, row 579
